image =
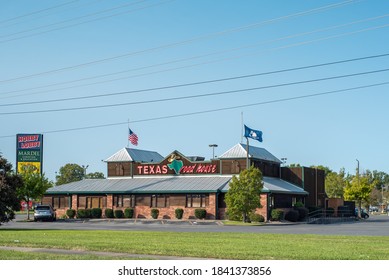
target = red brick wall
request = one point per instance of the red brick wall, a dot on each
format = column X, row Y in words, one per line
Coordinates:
column 169, row 212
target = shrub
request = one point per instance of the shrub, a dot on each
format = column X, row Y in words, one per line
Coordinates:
column 303, row 213
column 298, row 204
column 179, row 213
column 119, row 213
column 292, row 216
column 277, row 214
column 129, row 213
column 96, row 213
column 257, row 218
column 83, row 213
column 71, row 213
column 154, row 213
column 200, row 213
column 108, row 213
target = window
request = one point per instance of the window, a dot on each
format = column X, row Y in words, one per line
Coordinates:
column 60, row 202
column 92, row 201
column 123, row 201
column 159, row 201
column 119, row 170
column 143, row 200
column 197, row 200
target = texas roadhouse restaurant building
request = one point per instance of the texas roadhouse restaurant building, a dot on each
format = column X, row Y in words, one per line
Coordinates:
column 143, row 180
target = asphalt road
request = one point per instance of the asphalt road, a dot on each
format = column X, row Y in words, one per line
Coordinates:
column 377, row 225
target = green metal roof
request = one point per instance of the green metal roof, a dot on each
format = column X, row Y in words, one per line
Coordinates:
column 167, row 184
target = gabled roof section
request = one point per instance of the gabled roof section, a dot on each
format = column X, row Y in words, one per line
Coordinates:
column 128, row 155
column 239, row 151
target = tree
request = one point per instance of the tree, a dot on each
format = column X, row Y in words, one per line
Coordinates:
column 335, row 184
column 359, row 190
column 33, row 187
column 380, row 178
column 243, row 196
column 70, row 172
column 9, row 182
column 326, row 169
column 95, row 175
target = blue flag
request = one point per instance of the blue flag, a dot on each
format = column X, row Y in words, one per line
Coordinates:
column 254, row 134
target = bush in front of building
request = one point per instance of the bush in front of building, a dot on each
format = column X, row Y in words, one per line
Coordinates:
column 71, row 213
column 303, row 213
column 129, row 213
column 109, row 213
column 83, row 213
column 277, row 214
column 179, row 213
column 96, row 213
column 154, row 213
column 118, row 214
column 200, row 213
column 257, row 218
column 292, row 215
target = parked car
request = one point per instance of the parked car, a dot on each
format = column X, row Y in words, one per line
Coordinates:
column 364, row 214
column 44, row 212
column 373, row 209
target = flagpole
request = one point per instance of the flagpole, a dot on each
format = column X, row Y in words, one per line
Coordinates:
column 247, row 154
column 128, row 132
column 241, row 120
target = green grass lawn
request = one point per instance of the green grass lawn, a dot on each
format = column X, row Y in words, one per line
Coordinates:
column 206, row 245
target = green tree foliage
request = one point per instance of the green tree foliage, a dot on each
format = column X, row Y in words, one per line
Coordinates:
column 95, row 175
column 380, row 178
column 335, row 184
column 70, row 172
column 359, row 190
column 33, row 186
column 243, row 196
column 326, row 169
column 9, row 183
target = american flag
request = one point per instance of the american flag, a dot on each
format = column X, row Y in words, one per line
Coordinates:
column 132, row 137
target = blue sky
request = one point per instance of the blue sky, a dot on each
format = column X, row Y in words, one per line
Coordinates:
column 73, row 49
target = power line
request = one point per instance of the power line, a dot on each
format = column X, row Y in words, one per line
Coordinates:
column 214, row 110
column 37, row 12
column 79, row 23
column 193, row 96
column 195, row 39
column 197, row 57
column 197, row 83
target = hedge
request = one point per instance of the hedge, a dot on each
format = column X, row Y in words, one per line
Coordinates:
column 96, row 213
column 83, row 213
column 292, row 216
column 200, row 213
column 257, row 218
column 71, row 213
column 277, row 214
column 179, row 213
column 129, row 213
column 108, row 213
column 119, row 213
column 154, row 213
